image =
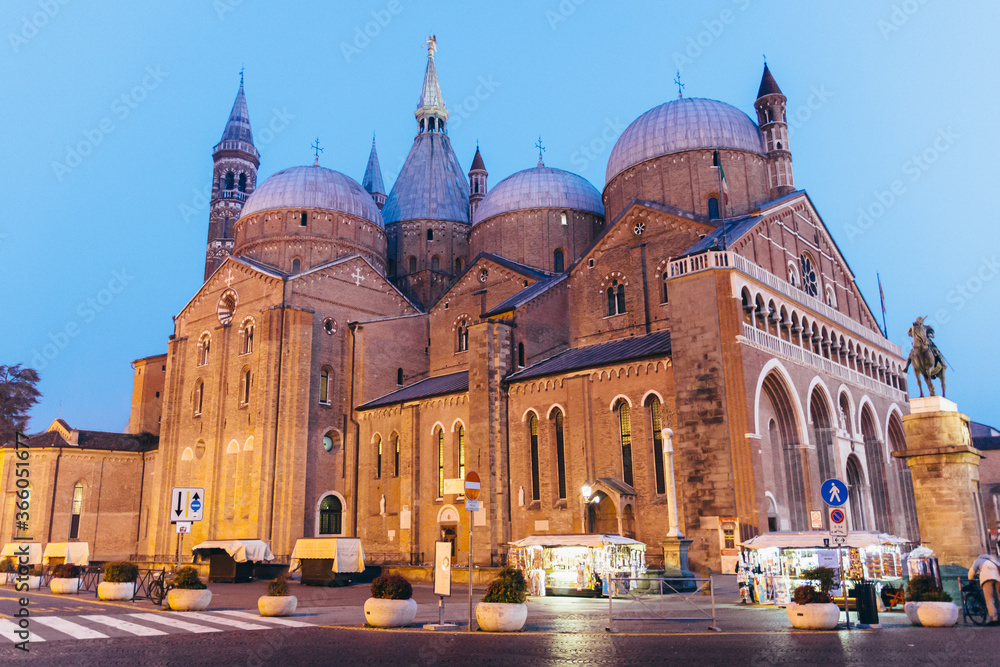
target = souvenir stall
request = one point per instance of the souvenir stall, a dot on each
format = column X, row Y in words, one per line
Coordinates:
column 771, row 563
column 328, row 561
column 232, row 561
column 576, row 564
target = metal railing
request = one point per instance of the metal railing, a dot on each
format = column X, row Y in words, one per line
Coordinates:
column 657, row 599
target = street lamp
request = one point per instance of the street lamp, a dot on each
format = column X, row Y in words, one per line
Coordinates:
column 586, row 490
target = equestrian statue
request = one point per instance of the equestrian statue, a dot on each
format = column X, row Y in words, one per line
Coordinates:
column 927, row 360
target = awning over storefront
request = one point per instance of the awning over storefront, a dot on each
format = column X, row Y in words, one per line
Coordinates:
column 347, row 553
column 240, row 550
column 594, row 541
column 14, row 549
column 74, row 553
column 814, row 540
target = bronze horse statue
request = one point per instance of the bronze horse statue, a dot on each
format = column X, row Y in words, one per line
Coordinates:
column 927, row 360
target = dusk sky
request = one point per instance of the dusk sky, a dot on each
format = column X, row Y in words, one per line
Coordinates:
column 110, row 111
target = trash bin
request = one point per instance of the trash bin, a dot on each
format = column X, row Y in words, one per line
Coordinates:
column 865, row 596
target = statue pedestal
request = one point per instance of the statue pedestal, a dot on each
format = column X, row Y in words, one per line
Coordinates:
column 675, row 561
column 945, row 470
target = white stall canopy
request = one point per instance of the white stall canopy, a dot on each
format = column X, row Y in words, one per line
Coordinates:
column 856, row 539
column 14, row 549
column 241, row 550
column 347, row 553
column 74, row 553
column 592, row 541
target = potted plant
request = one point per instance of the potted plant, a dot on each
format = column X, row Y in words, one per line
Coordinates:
column 65, row 579
column 928, row 605
column 188, row 593
column 503, row 608
column 812, row 609
column 119, row 581
column 391, row 604
column 31, row 581
column 277, row 602
column 7, row 570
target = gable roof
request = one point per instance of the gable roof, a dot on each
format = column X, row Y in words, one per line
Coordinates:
column 435, row 386
column 651, row 345
column 526, row 271
column 526, row 295
column 100, row 440
column 348, row 258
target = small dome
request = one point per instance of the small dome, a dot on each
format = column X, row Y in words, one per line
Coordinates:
column 313, row 188
column 686, row 124
column 540, row 187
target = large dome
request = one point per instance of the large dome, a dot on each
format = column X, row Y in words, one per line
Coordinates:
column 686, row 124
column 431, row 185
column 540, row 187
column 313, row 188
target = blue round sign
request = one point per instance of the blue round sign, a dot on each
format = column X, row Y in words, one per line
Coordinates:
column 195, row 505
column 834, row 492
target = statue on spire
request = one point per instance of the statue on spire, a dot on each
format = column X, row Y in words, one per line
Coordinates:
column 432, row 45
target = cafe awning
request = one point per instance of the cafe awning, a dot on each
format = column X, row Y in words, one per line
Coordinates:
column 240, row 550
column 16, row 549
column 347, row 553
column 856, row 539
column 592, row 541
column 74, row 553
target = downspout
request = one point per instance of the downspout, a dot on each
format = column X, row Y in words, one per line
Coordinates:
column 142, row 484
column 52, row 505
column 97, row 518
column 277, row 413
column 357, row 427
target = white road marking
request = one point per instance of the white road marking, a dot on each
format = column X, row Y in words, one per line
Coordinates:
column 171, row 620
column 267, row 619
column 222, row 620
column 123, row 625
column 8, row 630
column 66, row 626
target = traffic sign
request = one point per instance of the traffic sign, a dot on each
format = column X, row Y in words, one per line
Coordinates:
column 834, row 492
column 838, row 525
column 472, row 505
column 472, row 485
column 183, row 527
column 186, row 504
column 816, row 519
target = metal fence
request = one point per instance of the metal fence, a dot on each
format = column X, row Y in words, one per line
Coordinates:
column 679, row 599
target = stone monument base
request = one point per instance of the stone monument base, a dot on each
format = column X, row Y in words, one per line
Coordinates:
column 675, row 562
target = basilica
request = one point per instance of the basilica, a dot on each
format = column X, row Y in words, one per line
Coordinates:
column 682, row 358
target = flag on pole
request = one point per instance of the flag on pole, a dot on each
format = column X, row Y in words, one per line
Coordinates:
column 717, row 163
column 881, row 296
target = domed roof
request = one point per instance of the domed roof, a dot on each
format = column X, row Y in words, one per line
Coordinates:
column 685, row 124
column 313, row 187
column 540, row 187
column 431, row 185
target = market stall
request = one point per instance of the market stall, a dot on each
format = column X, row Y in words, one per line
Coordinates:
column 771, row 563
column 74, row 553
column 576, row 564
column 232, row 561
column 328, row 561
column 14, row 550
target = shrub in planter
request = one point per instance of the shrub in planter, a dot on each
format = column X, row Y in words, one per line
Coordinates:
column 391, row 604
column 813, row 609
column 7, row 570
column 928, row 605
column 119, row 581
column 65, row 579
column 503, row 608
column 188, row 593
column 277, row 602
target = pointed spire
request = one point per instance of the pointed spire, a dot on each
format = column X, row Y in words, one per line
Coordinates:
column 431, row 112
column 768, row 86
column 238, row 126
column 477, row 161
column 372, row 182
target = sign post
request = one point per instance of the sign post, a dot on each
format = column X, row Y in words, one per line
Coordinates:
column 834, row 494
column 472, row 488
column 442, row 583
column 187, row 505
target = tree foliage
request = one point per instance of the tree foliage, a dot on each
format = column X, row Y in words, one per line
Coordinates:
column 17, row 396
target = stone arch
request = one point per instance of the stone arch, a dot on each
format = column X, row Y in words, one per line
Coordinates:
column 528, row 413
column 824, row 428
column 619, row 397
column 319, row 510
column 458, row 422
column 652, row 392
column 875, row 458
column 448, row 515
column 437, row 425
column 553, row 408
column 784, row 441
column 895, row 438
column 856, row 493
column 845, row 407
column 233, row 447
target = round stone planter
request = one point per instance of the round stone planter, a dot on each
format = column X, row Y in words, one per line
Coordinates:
column 64, row 586
column 111, row 590
column 501, row 616
column 34, row 583
column 381, row 613
column 822, row 616
column 932, row 614
column 186, row 599
column 277, row 605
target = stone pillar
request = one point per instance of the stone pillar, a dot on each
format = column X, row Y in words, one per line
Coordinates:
column 945, row 470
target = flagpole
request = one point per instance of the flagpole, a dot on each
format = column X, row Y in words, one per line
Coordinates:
column 881, row 296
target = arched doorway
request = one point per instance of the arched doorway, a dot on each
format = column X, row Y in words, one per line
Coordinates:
column 790, row 468
column 856, row 493
column 601, row 515
column 824, row 434
column 448, row 522
column 876, row 470
column 904, row 481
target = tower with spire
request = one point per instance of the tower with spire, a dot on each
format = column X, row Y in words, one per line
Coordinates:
column 770, row 107
column 477, row 183
column 233, row 180
column 372, row 182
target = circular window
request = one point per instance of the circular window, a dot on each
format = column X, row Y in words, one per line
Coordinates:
column 810, row 283
column 483, row 275
column 330, row 325
column 330, row 441
column 227, row 306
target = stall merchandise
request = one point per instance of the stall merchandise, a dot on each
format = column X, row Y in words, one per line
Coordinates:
column 576, row 564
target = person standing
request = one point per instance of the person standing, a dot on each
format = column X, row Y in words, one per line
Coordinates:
column 989, row 581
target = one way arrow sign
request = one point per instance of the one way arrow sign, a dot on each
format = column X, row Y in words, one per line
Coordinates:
column 186, row 504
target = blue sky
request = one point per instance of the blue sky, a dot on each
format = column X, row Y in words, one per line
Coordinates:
column 111, row 110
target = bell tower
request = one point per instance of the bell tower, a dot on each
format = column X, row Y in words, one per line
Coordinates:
column 477, row 183
column 233, row 180
column 770, row 107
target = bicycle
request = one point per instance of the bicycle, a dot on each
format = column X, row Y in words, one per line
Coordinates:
column 158, row 589
column 973, row 602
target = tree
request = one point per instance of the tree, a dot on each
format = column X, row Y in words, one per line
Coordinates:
column 17, row 395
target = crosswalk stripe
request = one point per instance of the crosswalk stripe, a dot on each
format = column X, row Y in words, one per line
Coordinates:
column 267, row 619
column 66, row 626
column 171, row 620
column 124, row 626
column 222, row 620
column 8, row 630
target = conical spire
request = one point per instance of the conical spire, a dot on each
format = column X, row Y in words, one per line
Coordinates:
column 431, row 112
column 477, row 162
column 238, row 126
column 768, row 86
column 372, row 182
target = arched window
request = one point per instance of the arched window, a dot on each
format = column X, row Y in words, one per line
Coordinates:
column 304, row 219
column 324, row 386
column 330, row 516
column 558, row 261
column 74, row 523
column 430, row 234
column 440, row 444
column 204, row 344
column 296, row 265
column 243, row 183
column 199, row 398
column 395, row 464
column 713, row 208
column 520, row 355
column 461, row 452
column 435, row 263
column 245, row 388
column 533, row 438
column 247, row 341
column 560, row 454
column 378, row 458
column 666, row 295
column 399, row 376
column 458, row 266
column 562, row 218
column 463, row 337
column 230, row 178
column 616, row 298
column 625, row 428
column 657, row 424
